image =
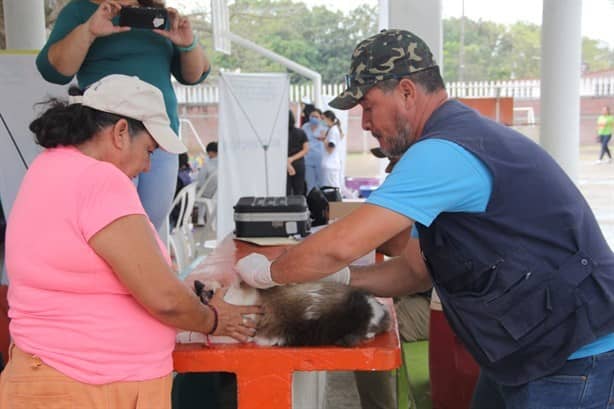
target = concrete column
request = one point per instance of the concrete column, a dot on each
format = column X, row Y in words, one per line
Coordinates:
column 420, row 17
column 561, row 51
column 24, row 23
column 424, row 18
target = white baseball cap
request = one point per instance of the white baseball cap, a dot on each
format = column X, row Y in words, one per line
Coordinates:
column 133, row 98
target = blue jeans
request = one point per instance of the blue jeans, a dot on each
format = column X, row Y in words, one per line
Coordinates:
column 605, row 140
column 157, row 187
column 313, row 176
column 584, row 383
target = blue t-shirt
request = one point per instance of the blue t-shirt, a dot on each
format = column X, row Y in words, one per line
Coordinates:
column 436, row 176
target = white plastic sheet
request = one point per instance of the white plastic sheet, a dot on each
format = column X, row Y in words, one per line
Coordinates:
column 253, row 140
column 21, row 88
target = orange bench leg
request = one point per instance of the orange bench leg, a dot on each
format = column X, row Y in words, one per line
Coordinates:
column 261, row 389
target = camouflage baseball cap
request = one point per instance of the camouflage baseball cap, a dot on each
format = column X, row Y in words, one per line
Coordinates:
column 388, row 54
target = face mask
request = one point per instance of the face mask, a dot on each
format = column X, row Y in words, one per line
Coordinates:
column 313, row 120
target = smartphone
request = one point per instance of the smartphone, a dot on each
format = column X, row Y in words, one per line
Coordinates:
column 143, row 17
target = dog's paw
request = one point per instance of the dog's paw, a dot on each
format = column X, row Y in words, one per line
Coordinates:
column 269, row 342
column 205, row 290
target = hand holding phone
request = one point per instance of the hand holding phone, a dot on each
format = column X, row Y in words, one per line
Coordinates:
column 143, row 17
column 179, row 29
column 100, row 24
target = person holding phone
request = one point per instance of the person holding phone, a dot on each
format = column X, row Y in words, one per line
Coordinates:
column 87, row 42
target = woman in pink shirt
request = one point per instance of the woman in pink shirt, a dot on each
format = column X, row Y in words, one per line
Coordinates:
column 93, row 300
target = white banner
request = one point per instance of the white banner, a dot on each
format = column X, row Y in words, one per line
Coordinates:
column 253, row 141
column 21, row 88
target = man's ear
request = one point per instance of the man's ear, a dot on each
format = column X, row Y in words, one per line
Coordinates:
column 121, row 133
column 408, row 90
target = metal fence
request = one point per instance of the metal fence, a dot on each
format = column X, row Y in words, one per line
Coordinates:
column 208, row 93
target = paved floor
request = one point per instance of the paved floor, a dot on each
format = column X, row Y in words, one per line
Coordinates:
column 596, row 181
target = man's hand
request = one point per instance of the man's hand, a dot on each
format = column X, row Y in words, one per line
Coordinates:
column 255, row 270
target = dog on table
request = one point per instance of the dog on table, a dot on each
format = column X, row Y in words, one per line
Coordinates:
column 307, row 314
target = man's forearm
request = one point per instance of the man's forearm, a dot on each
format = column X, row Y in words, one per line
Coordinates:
column 391, row 278
column 337, row 245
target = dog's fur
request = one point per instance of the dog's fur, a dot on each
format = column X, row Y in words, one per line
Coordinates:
column 309, row 314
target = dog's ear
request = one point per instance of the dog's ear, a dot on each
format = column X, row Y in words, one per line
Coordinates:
column 198, row 287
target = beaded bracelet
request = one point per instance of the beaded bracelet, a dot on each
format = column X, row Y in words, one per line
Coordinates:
column 214, row 318
column 189, row 47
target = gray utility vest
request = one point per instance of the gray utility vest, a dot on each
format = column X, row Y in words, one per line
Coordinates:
column 531, row 280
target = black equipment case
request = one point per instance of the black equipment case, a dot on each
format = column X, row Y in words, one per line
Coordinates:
column 271, row 216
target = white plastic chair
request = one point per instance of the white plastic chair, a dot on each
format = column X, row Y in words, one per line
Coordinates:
column 207, row 206
column 180, row 239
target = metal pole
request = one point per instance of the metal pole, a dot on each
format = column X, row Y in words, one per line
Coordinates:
column 313, row 75
column 461, row 46
column 24, row 22
column 560, row 82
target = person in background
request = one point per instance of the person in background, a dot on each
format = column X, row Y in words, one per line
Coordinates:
column 527, row 287
column 93, row 301
column 184, row 178
column 307, row 107
column 605, row 123
column 206, row 182
column 209, row 170
column 331, row 157
column 316, row 134
column 87, row 42
column 297, row 149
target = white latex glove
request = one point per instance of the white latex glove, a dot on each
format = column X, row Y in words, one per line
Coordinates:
column 342, row 276
column 255, row 270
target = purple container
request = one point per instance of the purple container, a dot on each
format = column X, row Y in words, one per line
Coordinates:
column 358, row 182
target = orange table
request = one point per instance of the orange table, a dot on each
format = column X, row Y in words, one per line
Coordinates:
column 264, row 374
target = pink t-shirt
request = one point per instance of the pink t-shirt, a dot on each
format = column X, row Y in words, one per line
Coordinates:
column 66, row 304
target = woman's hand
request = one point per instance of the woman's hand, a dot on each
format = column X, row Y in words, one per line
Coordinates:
column 180, row 30
column 233, row 320
column 100, row 24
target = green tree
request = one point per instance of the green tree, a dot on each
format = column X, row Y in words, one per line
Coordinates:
column 596, row 55
column 319, row 39
column 491, row 51
column 480, row 48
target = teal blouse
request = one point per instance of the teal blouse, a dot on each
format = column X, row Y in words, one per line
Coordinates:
column 143, row 53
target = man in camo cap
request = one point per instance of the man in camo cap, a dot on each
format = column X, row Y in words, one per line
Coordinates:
column 389, row 54
column 524, row 274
